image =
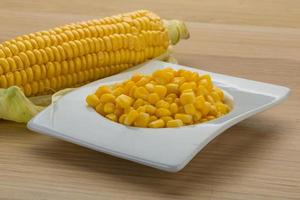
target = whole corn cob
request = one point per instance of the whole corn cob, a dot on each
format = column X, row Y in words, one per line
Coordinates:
column 72, row 55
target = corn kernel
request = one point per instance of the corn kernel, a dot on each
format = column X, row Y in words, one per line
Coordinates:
column 112, row 117
column 166, row 119
column 149, row 87
column 187, row 98
column 162, row 76
column 99, row 109
column 152, row 118
column 131, row 117
column 181, row 109
column 118, row 111
column 189, row 109
column 173, row 108
column 162, row 104
column 172, row 88
column 128, row 85
column 138, row 103
column 107, row 97
column 205, row 80
column 142, row 120
column 124, row 101
column 153, row 98
column 197, row 116
column 160, row 90
column 141, row 109
column 169, row 100
column 92, row 100
column 150, row 109
column 206, row 108
column 161, row 112
column 179, row 80
column 188, row 85
column 215, row 96
column 122, row 118
column 185, row 118
column 210, row 117
column 172, row 95
column 157, row 124
column 118, row 91
column 102, row 90
column 141, row 92
column 201, row 90
column 143, row 81
column 199, row 102
column 174, row 123
column 136, row 77
column 109, row 107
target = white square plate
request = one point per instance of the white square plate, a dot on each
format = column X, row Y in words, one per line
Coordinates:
column 168, row 149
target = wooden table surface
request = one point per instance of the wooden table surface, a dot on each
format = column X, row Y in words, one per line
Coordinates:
column 258, row 158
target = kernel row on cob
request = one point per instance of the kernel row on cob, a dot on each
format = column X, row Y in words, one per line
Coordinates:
column 167, row 98
column 72, row 55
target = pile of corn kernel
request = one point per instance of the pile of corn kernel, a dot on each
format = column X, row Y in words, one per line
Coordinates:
column 166, row 98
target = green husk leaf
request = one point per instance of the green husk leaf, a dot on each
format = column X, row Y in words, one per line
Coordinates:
column 15, row 106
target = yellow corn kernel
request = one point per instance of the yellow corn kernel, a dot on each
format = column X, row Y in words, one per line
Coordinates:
column 219, row 92
column 181, row 109
column 141, row 109
column 102, row 90
column 179, row 80
column 109, row 107
column 187, row 98
column 124, row 101
column 157, row 124
column 128, row 85
column 172, row 88
column 160, row 90
column 138, row 103
column 189, row 109
column 166, row 119
column 213, row 110
column 201, row 90
column 149, row 87
column 142, row 120
column 152, row 118
column 92, row 100
column 136, row 77
column 107, row 97
column 99, row 109
column 210, row 99
column 172, row 95
column 173, row 108
column 185, row 118
column 131, row 91
column 143, row 81
column 153, row 98
column 177, row 101
column 141, row 92
column 162, row 104
column 131, row 117
column 169, row 100
column 215, row 96
column 205, row 80
column 206, row 109
column 188, row 85
column 118, row 111
column 197, row 116
column 199, row 102
column 210, row 117
column 150, row 109
column 162, row 76
column 161, row 112
column 174, row 123
column 118, row 91
column 112, row 117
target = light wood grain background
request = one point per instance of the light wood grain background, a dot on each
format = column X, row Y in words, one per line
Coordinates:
column 257, row 159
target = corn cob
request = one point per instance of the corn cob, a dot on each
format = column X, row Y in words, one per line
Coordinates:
column 75, row 54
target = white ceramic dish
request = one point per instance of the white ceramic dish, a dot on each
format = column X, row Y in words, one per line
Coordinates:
column 168, row 149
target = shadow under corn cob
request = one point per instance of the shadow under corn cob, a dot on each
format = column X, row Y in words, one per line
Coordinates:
column 72, row 55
